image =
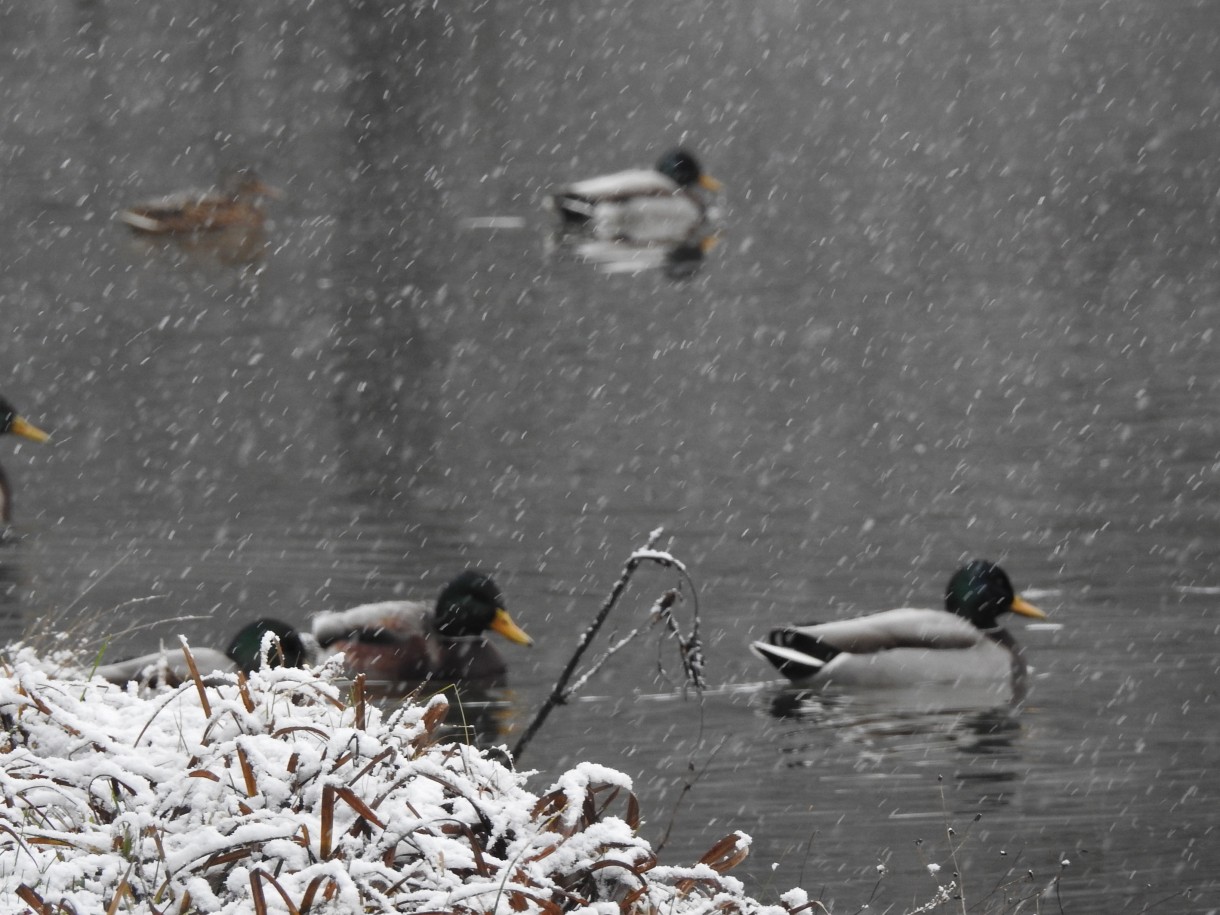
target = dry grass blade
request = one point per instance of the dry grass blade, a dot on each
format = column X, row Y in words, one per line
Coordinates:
column 549, row 805
column 373, row 763
column 227, row 857
column 546, row 852
column 634, row 818
column 296, row 729
column 48, row 841
column 311, row 891
column 243, row 689
column 247, row 773
column 358, row 701
column 476, row 849
column 200, row 688
column 357, row 804
column 327, row 826
column 721, row 857
column 434, row 717
column 256, row 894
column 624, row 865
column 32, row 899
column 519, row 900
column 259, row 877
column 726, row 854
column 35, row 701
column 123, row 889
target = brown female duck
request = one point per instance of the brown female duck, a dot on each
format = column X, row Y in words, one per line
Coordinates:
column 237, row 204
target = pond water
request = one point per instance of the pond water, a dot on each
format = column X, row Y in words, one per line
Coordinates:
column 963, row 303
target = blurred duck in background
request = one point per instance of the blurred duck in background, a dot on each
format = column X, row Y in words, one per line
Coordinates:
column 639, row 206
column 237, row 204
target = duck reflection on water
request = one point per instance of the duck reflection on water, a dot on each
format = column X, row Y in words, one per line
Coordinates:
column 977, row 747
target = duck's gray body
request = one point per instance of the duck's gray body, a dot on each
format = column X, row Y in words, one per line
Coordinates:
column 167, row 667
column 897, row 648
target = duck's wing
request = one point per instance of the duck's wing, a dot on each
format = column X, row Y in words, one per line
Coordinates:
column 636, row 182
column 386, row 621
column 800, row 652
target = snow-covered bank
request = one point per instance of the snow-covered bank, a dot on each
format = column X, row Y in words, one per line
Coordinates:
column 278, row 794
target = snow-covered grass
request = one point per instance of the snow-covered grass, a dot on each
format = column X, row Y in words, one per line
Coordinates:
column 284, row 793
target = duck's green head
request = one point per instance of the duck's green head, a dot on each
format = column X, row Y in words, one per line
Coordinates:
column 471, row 604
column 684, row 170
column 246, row 648
column 11, row 422
column 980, row 591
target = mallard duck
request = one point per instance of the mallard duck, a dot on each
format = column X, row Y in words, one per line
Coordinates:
column 390, row 641
column 11, row 422
column 237, row 204
column 909, row 646
column 641, row 206
column 168, row 667
column 408, row 640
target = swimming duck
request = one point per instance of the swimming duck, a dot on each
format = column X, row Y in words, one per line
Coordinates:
column 902, row 647
column 237, row 204
column 641, row 206
column 11, row 422
column 389, row 641
column 244, row 653
column 408, row 640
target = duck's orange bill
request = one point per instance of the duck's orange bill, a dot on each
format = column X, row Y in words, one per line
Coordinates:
column 708, row 183
column 1023, row 607
column 26, row 430
column 503, row 624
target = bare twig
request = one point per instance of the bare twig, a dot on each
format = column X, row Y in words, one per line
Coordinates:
column 559, row 691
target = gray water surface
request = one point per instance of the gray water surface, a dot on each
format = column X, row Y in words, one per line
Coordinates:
column 963, row 304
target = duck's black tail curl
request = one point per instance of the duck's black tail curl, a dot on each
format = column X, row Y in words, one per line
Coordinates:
column 794, row 653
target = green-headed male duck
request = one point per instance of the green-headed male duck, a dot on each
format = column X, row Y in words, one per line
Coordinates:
column 410, row 640
column 640, row 206
column 964, row 643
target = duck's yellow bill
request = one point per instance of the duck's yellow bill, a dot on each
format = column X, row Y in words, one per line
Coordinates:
column 1024, row 608
column 708, row 183
column 27, row 430
column 503, row 624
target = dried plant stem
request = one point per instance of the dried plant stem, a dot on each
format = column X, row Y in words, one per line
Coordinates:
column 559, row 691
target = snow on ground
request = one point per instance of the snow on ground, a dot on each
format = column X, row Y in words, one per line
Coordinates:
column 282, row 793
